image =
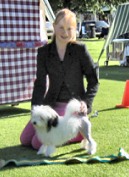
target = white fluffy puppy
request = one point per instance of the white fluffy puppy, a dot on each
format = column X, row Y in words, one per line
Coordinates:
column 54, row 130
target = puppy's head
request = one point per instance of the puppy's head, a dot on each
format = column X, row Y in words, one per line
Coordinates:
column 44, row 117
column 73, row 108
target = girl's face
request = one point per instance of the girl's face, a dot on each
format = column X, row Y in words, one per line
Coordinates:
column 65, row 30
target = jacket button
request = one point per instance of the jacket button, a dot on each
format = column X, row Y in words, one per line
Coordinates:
column 72, row 93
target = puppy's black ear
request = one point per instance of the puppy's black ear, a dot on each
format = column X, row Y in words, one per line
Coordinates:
column 52, row 123
column 55, row 121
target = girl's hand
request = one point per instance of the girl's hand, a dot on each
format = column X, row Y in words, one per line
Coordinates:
column 83, row 108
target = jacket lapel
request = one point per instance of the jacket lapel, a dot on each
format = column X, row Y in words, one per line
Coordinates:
column 68, row 58
column 54, row 59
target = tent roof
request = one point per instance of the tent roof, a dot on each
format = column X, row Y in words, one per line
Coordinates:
column 48, row 11
column 119, row 26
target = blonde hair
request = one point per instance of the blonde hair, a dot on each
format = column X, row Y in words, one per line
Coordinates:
column 68, row 14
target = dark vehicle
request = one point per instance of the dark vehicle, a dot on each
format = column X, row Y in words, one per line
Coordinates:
column 100, row 27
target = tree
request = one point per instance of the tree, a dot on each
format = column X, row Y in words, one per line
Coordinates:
column 67, row 4
column 82, row 6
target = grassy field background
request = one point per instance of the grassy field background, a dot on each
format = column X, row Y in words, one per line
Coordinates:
column 110, row 129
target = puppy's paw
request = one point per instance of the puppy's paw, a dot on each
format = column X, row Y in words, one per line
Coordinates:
column 39, row 152
column 42, row 150
column 92, row 148
column 49, row 151
column 91, row 152
column 84, row 144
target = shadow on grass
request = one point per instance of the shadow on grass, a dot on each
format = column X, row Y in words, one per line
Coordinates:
column 110, row 109
column 21, row 154
column 76, row 152
column 18, row 152
column 90, row 39
column 10, row 111
column 116, row 73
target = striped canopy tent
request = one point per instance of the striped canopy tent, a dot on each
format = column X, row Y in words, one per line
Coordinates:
column 120, row 25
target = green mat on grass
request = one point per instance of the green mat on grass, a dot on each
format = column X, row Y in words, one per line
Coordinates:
column 122, row 155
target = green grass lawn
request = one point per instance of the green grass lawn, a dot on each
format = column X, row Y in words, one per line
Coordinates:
column 110, row 129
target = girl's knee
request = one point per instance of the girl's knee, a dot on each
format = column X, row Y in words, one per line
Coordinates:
column 27, row 135
column 36, row 144
column 25, row 141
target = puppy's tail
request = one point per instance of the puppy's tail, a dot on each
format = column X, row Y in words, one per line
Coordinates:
column 72, row 107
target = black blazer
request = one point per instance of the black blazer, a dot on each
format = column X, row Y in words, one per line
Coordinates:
column 77, row 64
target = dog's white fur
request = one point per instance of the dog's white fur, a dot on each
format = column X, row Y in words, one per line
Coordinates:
column 54, row 130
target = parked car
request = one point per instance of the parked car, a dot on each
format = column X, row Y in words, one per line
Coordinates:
column 99, row 25
column 103, row 28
